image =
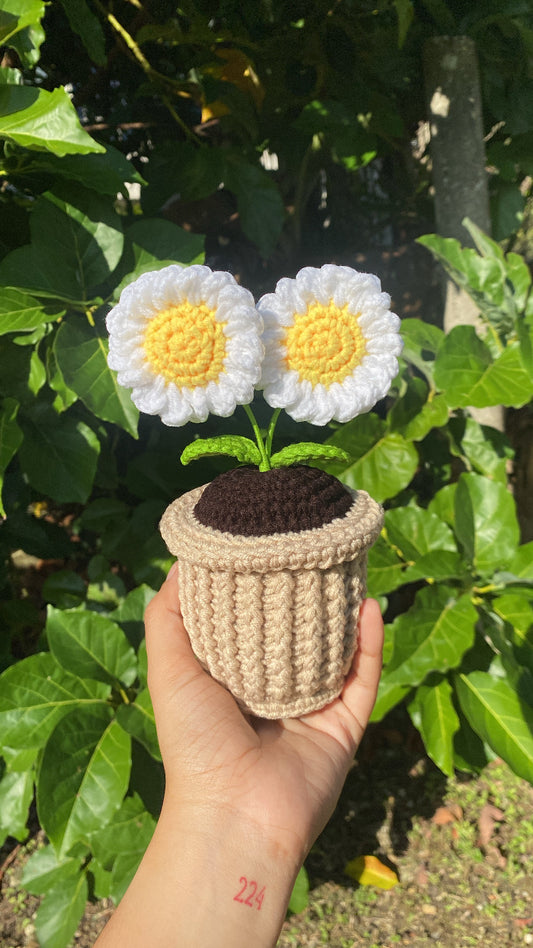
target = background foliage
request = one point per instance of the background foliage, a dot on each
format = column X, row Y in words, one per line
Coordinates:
column 275, row 136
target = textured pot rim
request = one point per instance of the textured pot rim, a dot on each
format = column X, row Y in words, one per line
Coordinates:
column 344, row 538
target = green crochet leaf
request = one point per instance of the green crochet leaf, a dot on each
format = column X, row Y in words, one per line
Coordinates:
column 308, row 451
column 243, row 449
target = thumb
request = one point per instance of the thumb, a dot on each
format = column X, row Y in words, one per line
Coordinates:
column 171, row 660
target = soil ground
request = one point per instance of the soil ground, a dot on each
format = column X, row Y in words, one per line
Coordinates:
column 462, row 849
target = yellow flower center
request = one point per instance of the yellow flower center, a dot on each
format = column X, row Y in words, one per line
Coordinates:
column 325, row 344
column 186, row 345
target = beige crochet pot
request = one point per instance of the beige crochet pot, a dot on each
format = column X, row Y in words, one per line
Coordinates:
column 274, row 618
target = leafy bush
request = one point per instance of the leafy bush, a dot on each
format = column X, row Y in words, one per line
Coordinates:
column 83, row 482
column 459, row 650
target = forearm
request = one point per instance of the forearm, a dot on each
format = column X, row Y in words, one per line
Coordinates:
column 218, row 884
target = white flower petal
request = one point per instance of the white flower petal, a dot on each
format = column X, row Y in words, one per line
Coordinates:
column 157, row 389
column 297, row 387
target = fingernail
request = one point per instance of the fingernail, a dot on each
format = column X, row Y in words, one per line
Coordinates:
column 173, row 570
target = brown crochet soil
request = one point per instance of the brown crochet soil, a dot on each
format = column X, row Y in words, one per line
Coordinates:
column 248, row 502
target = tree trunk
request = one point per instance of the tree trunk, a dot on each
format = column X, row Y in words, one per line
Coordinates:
column 458, row 157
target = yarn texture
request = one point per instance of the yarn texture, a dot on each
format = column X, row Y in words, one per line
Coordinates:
column 249, row 502
column 274, row 617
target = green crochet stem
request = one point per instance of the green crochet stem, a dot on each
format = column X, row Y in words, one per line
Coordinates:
column 264, row 444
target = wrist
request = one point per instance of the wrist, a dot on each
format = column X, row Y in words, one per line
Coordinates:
column 234, row 880
column 238, row 875
column 207, row 880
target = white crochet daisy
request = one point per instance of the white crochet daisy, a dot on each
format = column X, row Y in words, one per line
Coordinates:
column 187, row 341
column 331, row 342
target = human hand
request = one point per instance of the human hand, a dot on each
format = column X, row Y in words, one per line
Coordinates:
column 282, row 778
column 244, row 797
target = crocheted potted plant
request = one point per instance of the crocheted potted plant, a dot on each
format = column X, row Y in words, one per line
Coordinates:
column 272, row 554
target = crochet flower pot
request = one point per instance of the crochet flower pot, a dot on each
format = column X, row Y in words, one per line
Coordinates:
column 272, row 561
column 272, row 571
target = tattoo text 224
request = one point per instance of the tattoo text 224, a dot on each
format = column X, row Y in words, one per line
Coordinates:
column 249, row 895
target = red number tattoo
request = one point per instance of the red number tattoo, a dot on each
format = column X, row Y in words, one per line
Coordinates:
column 253, row 899
column 244, row 882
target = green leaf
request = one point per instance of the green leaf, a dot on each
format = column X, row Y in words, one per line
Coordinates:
column 35, row 693
column 435, row 567
column 59, row 454
column 64, row 588
column 385, row 568
column 41, row 120
column 506, row 382
column 421, row 344
column 154, row 244
column 507, row 209
column 15, row 370
column 434, row 715
column 162, row 240
column 385, row 462
column 121, row 846
column 65, row 397
column 44, row 871
column 433, row 413
column 90, row 645
column 83, row 22
column 305, row 451
column 483, row 449
column 16, row 794
column 525, row 339
column 27, row 44
column 462, row 360
column 469, row 376
column 130, row 613
column 471, row 754
column 389, row 695
column 129, row 832
column 77, row 242
column 101, row 880
column 60, row 911
column 500, row 717
column 485, row 522
column 19, row 761
column 432, row 635
column 10, row 439
column 81, row 355
column 443, row 504
column 11, row 77
column 520, row 276
column 345, row 129
column 516, row 609
column 20, row 312
column 200, row 171
column 413, row 532
column 484, row 277
column 405, row 14
column 106, row 592
column 83, row 776
column 142, row 660
column 236, row 446
column 485, row 245
column 105, row 173
column 300, row 893
column 138, row 719
column 259, row 202
column 521, row 564
column 17, row 15
column 24, row 530
column 124, row 869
